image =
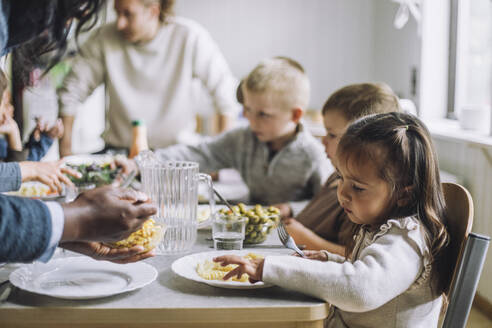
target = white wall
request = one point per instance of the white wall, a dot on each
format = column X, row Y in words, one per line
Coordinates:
column 337, row 41
column 396, row 52
column 333, row 39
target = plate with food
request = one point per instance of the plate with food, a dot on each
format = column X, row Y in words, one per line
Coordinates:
column 200, row 267
column 37, row 190
column 148, row 236
column 95, row 170
column 88, row 159
column 82, row 277
column 203, row 213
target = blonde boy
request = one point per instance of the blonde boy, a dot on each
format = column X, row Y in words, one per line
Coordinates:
column 278, row 160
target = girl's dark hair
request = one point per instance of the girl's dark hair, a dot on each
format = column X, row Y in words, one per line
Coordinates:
column 400, row 146
column 38, row 30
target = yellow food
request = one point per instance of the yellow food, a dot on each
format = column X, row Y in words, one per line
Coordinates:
column 203, row 214
column 210, row 270
column 33, row 190
column 148, row 236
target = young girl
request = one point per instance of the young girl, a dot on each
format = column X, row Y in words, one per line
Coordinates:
column 323, row 224
column 11, row 150
column 40, row 140
column 390, row 187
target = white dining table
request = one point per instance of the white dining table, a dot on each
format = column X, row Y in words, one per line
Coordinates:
column 170, row 301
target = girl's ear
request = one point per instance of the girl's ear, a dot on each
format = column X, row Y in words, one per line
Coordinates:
column 155, row 9
column 405, row 196
column 297, row 114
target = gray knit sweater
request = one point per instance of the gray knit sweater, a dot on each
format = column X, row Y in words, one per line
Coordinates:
column 294, row 174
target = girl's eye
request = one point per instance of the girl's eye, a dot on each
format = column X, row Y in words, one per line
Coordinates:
column 357, row 189
column 338, row 176
column 264, row 115
column 332, row 136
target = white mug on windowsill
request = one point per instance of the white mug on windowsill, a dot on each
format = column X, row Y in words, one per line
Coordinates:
column 475, row 117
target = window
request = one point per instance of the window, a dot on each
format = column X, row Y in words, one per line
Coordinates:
column 470, row 60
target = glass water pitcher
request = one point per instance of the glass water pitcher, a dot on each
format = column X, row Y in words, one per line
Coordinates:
column 173, row 187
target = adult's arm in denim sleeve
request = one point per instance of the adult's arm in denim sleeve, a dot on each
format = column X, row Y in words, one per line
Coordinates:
column 25, row 229
column 10, row 176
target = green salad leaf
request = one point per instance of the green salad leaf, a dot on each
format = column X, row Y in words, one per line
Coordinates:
column 97, row 174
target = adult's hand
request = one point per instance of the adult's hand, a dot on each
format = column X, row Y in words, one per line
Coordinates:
column 99, row 251
column 127, row 164
column 105, row 214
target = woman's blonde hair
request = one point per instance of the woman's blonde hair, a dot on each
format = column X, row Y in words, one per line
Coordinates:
column 358, row 100
column 4, row 84
column 167, row 8
column 283, row 77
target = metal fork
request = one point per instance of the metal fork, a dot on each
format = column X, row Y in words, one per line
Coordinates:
column 129, row 179
column 287, row 240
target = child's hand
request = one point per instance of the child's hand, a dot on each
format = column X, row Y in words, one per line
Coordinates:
column 315, row 255
column 56, row 131
column 50, row 173
column 295, row 228
column 285, row 210
column 10, row 128
column 254, row 268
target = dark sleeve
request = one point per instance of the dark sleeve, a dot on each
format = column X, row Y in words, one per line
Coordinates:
column 25, row 229
column 9, row 155
column 16, row 155
column 4, row 145
column 37, row 149
column 4, row 28
column 10, row 177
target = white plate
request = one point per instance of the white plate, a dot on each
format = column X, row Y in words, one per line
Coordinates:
column 186, row 268
column 33, row 189
column 82, row 277
column 88, row 159
column 231, row 191
column 203, row 213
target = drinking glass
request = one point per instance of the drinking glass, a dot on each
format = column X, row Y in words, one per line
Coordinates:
column 228, row 231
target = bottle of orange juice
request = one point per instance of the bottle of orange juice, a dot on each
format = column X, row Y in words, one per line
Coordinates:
column 139, row 140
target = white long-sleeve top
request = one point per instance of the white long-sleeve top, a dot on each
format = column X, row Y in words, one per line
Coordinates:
column 386, row 284
column 150, row 81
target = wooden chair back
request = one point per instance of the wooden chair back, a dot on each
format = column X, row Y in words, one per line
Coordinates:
column 459, row 210
column 467, row 252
